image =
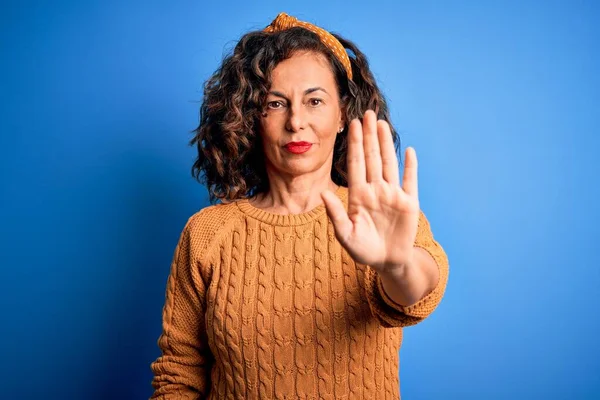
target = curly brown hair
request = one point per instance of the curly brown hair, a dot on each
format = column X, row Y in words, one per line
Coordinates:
column 230, row 159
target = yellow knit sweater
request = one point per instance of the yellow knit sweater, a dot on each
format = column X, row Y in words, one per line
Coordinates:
column 267, row 306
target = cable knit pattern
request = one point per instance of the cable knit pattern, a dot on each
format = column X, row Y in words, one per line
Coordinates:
column 249, row 308
column 304, row 318
column 322, row 313
column 232, row 326
column 283, row 323
column 263, row 317
column 341, row 322
column 266, row 306
column 357, row 327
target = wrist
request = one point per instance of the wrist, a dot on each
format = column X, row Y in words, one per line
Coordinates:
column 396, row 269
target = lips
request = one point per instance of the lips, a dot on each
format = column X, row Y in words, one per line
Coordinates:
column 298, row 147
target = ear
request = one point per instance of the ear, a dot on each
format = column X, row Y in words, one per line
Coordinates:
column 342, row 123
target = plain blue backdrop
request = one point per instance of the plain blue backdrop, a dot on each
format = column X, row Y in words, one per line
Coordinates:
column 501, row 101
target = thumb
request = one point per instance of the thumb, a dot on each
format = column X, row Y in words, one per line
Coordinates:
column 338, row 215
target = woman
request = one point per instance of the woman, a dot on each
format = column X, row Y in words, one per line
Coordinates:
column 299, row 283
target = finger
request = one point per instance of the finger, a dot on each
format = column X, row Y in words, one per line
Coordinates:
column 371, row 144
column 409, row 180
column 389, row 160
column 338, row 215
column 355, row 158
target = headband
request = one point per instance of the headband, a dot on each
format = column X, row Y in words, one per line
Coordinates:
column 284, row 21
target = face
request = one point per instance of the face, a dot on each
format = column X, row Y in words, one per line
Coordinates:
column 303, row 107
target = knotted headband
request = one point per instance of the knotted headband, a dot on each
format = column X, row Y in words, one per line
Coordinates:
column 284, row 21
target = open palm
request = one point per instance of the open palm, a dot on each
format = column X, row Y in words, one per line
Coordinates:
column 381, row 224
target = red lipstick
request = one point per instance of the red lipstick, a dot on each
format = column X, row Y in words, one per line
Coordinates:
column 298, row 147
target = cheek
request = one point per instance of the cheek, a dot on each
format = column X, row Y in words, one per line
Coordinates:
column 267, row 131
column 270, row 140
column 327, row 130
column 330, row 120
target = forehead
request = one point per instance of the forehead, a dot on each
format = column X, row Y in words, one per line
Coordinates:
column 305, row 69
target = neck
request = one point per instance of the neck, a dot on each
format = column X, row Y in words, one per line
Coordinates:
column 294, row 195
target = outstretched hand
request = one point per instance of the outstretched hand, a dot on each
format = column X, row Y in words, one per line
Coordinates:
column 381, row 224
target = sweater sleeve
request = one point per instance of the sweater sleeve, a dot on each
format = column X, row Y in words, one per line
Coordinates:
column 391, row 314
column 183, row 369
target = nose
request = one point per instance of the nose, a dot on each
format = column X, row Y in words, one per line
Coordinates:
column 296, row 120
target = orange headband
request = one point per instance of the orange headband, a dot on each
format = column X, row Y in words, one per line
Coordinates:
column 284, row 21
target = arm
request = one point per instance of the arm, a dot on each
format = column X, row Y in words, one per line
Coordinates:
column 408, row 284
column 183, row 369
column 422, row 288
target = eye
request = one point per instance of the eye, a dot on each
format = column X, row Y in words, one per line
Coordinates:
column 274, row 105
column 315, row 102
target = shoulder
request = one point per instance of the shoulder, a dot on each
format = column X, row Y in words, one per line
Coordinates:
column 213, row 217
column 210, row 223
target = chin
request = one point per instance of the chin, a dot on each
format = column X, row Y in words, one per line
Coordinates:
column 299, row 167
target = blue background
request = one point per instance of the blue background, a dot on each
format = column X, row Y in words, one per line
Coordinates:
column 500, row 100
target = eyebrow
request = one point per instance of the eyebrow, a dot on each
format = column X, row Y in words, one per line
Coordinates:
column 307, row 91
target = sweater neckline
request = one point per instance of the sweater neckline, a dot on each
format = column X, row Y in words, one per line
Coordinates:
column 287, row 219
